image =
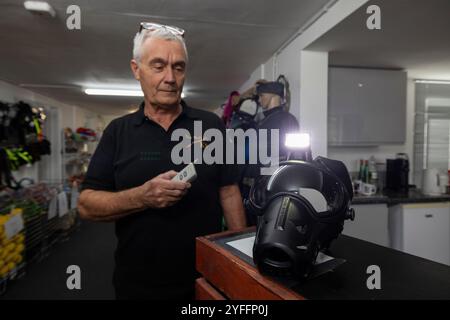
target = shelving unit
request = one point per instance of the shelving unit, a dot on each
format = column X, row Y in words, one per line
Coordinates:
column 76, row 154
column 41, row 231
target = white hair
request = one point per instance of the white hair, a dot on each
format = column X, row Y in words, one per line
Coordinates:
column 162, row 33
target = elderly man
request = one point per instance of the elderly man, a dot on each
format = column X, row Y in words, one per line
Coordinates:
column 129, row 178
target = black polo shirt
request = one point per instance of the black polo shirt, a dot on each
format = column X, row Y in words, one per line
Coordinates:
column 156, row 247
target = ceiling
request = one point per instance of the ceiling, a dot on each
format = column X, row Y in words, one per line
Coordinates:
column 226, row 40
column 414, row 36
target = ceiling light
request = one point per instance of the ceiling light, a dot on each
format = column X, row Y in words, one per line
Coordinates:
column 114, row 92
column 433, row 81
column 40, row 7
column 118, row 92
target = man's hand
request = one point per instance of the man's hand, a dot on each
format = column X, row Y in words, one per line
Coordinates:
column 250, row 92
column 161, row 192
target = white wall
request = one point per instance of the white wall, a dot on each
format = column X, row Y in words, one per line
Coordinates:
column 314, row 99
column 257, row 74
column 290, row 61
column 287, row 63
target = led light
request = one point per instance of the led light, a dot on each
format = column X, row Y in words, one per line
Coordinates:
column 183, row 95
column 297, row 140
column 433, row 81
column 39, row 7
column 114, row 92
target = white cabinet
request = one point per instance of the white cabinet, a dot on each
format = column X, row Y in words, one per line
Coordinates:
column 370, row 224
column 422, row 230
column 366, row 107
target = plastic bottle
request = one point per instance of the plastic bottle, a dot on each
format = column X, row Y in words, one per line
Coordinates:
column 373, row 171
column 361, row 170
column 366, row 171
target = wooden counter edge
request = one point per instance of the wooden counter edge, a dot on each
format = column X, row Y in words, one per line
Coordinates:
column 205, row 291
column 212, row 260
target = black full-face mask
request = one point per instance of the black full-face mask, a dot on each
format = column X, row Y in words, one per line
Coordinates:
column 303, row 206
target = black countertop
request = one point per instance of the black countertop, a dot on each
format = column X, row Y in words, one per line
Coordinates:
column 393, row 198
column 403, row 276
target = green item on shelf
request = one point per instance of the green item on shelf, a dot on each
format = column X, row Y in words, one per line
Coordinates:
column 24, row 155
column 13, row 160
column 18, row 157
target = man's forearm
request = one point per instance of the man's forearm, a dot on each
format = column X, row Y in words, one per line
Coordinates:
column 108, row 206
column 233, row 209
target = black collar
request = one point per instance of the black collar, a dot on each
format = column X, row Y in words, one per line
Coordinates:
column 273, row 110
column 139, row 116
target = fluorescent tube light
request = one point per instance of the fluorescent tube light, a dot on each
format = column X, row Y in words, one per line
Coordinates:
column 433, row 81
column 118, row 92
column 39, row 7
column 114, row 92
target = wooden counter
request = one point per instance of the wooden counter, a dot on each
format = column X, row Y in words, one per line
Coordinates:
column 228, row 274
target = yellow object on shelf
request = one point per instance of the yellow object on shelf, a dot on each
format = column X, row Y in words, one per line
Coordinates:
column 3, row 253
column 4, row 272
column 10, row 247
column 19, row 238
column 19, row 248
column 16, row 211
column 18, row 259
column 11, row 266
column 13, row 258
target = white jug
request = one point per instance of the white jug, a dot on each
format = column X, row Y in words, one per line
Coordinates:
column 443, row 182
column 430, row 182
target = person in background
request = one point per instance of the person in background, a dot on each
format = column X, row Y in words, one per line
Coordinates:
column 276, row 116
column 233, row 100
column 230, row 106
column 129, row 179
column 270, row 97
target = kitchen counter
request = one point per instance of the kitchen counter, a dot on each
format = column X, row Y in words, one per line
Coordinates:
column 392, row 198
column 403, row 276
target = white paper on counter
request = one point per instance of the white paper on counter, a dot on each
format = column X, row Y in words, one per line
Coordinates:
column 244, row 245
column 322, row 257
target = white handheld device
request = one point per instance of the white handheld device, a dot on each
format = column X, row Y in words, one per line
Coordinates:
column 188, row 174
